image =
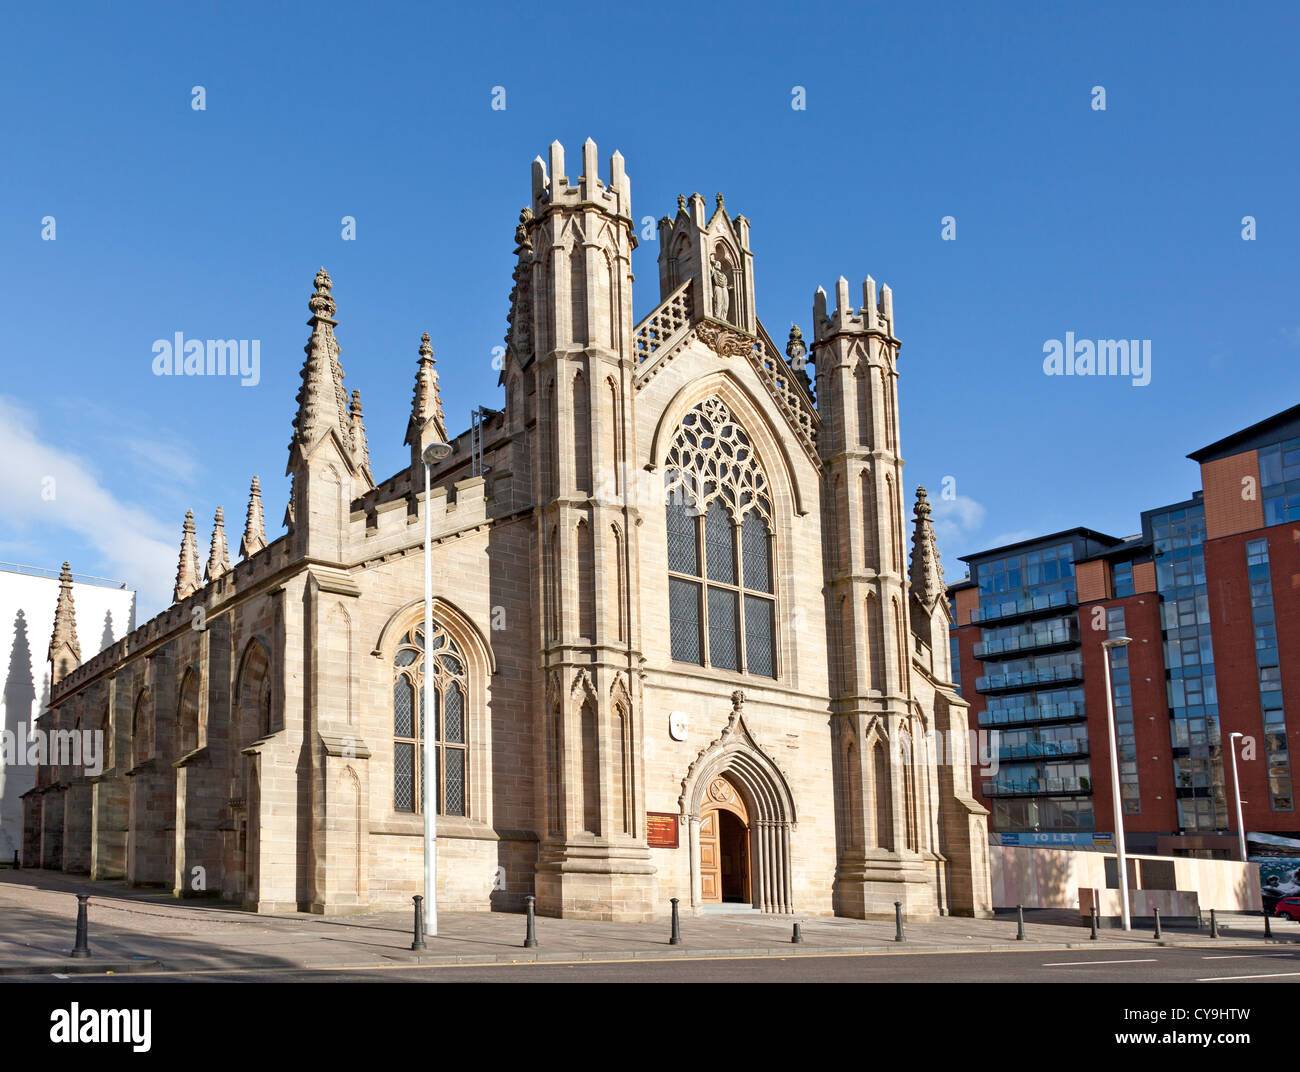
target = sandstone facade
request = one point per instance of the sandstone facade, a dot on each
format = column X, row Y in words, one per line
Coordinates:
column 672, row 604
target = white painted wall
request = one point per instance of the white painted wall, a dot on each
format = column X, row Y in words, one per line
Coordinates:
column 104, row 613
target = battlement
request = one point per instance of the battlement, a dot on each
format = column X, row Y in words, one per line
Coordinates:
column 873, row 316
column 552, row 186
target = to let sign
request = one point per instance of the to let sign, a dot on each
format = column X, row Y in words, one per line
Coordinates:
column 661, row 830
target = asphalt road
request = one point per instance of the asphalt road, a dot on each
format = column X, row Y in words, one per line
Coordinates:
column 1226, row 964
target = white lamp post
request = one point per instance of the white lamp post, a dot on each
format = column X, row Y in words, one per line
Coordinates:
column 1236, row 788
column 1117, row 801
column 433, row 452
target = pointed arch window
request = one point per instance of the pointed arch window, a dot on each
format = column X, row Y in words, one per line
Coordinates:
column 721, row 592
column 450, row 688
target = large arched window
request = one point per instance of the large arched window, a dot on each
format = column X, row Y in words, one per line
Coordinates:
column 722, row 604
column 450, row 687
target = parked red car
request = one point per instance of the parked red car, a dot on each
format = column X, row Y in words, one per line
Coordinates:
column 1289, row 907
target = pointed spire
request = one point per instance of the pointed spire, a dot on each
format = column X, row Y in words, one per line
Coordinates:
column 218, row 556
column 426, row 405
column 322, row 401
column 254, row 525
column 360, row 448
column 927, row 572
column 65, row 652
column 187, row 571
column 288, row 508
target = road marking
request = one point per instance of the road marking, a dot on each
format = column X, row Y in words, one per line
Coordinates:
column 1248, row 956
column 1085, row 963
column 1230, row 978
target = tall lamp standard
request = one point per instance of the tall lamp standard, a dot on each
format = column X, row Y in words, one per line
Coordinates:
column 1236, row 788
column 433, row 452
column 1117, row 802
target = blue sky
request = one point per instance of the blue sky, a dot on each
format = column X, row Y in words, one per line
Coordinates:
column 1123, row 223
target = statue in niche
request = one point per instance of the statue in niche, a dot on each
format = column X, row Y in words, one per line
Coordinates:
column 721, row 291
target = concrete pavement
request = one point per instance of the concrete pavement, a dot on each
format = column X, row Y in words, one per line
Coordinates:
column 141, row 931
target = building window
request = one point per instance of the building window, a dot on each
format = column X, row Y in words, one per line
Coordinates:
column 1270, row 676
column 721, row 596
column 1122, row 579
column 450, row 688
column 1279, row 478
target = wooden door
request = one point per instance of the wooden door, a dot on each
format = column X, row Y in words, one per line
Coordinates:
column 722, row 797
column 710, row 858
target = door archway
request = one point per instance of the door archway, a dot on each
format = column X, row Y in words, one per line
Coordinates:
column 756, row 817
column 724, row 845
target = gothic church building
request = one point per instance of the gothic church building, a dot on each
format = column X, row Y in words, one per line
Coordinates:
column 679, row 649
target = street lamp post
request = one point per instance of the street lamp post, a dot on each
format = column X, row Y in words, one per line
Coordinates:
column 1116, row 801
column 1236, row 789
column 433, row 452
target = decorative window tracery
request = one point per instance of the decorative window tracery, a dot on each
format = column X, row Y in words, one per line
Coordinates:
column 450, row 689
column 722, row 605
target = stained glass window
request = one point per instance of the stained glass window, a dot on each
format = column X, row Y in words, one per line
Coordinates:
column 449, row 683
column 713, row 481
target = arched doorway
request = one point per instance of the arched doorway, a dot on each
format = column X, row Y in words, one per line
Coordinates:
column 724, row 846
column 736, row 798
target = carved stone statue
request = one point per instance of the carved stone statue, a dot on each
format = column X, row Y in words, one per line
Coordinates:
column 721, row 291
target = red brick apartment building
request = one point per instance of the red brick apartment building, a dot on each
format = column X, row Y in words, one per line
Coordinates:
column 1209, row 595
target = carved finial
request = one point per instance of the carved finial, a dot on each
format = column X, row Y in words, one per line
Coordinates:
column 737, row 701
column 322, row 301
column 322, row 402
column 681, row 202
column 922, row 507
column 521, row 232
column 254, row 525
column 721, row 203
column 426, row 403
column 927, row 570
column 795, row 349
column 218, row 557
column 65, row 651
column 360, row 448
column 187, row 570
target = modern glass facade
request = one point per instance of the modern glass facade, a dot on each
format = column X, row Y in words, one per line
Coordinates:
column 1276, row 752
column 1031, row 687
column 1177, row 537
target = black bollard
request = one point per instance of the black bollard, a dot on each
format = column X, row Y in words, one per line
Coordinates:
column 1094, row 923
column 17, row 866
column 418, row 942
column 898, row 922
column 797, row 937
column 1020, row 923
column 1268, row 930
column 82, row 948
column 530, row 939
column 676, row 937
column 1214, row 923
column 1157, row 914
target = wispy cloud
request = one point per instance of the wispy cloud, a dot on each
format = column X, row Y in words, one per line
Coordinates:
column 55, row 493
column 956, row 522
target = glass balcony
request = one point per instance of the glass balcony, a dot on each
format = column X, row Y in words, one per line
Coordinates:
column 1019, row 679
column 1075, row 746
column 1056, row 636
column 1033, row 713
column 1005, row 787
column 1025, row 605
